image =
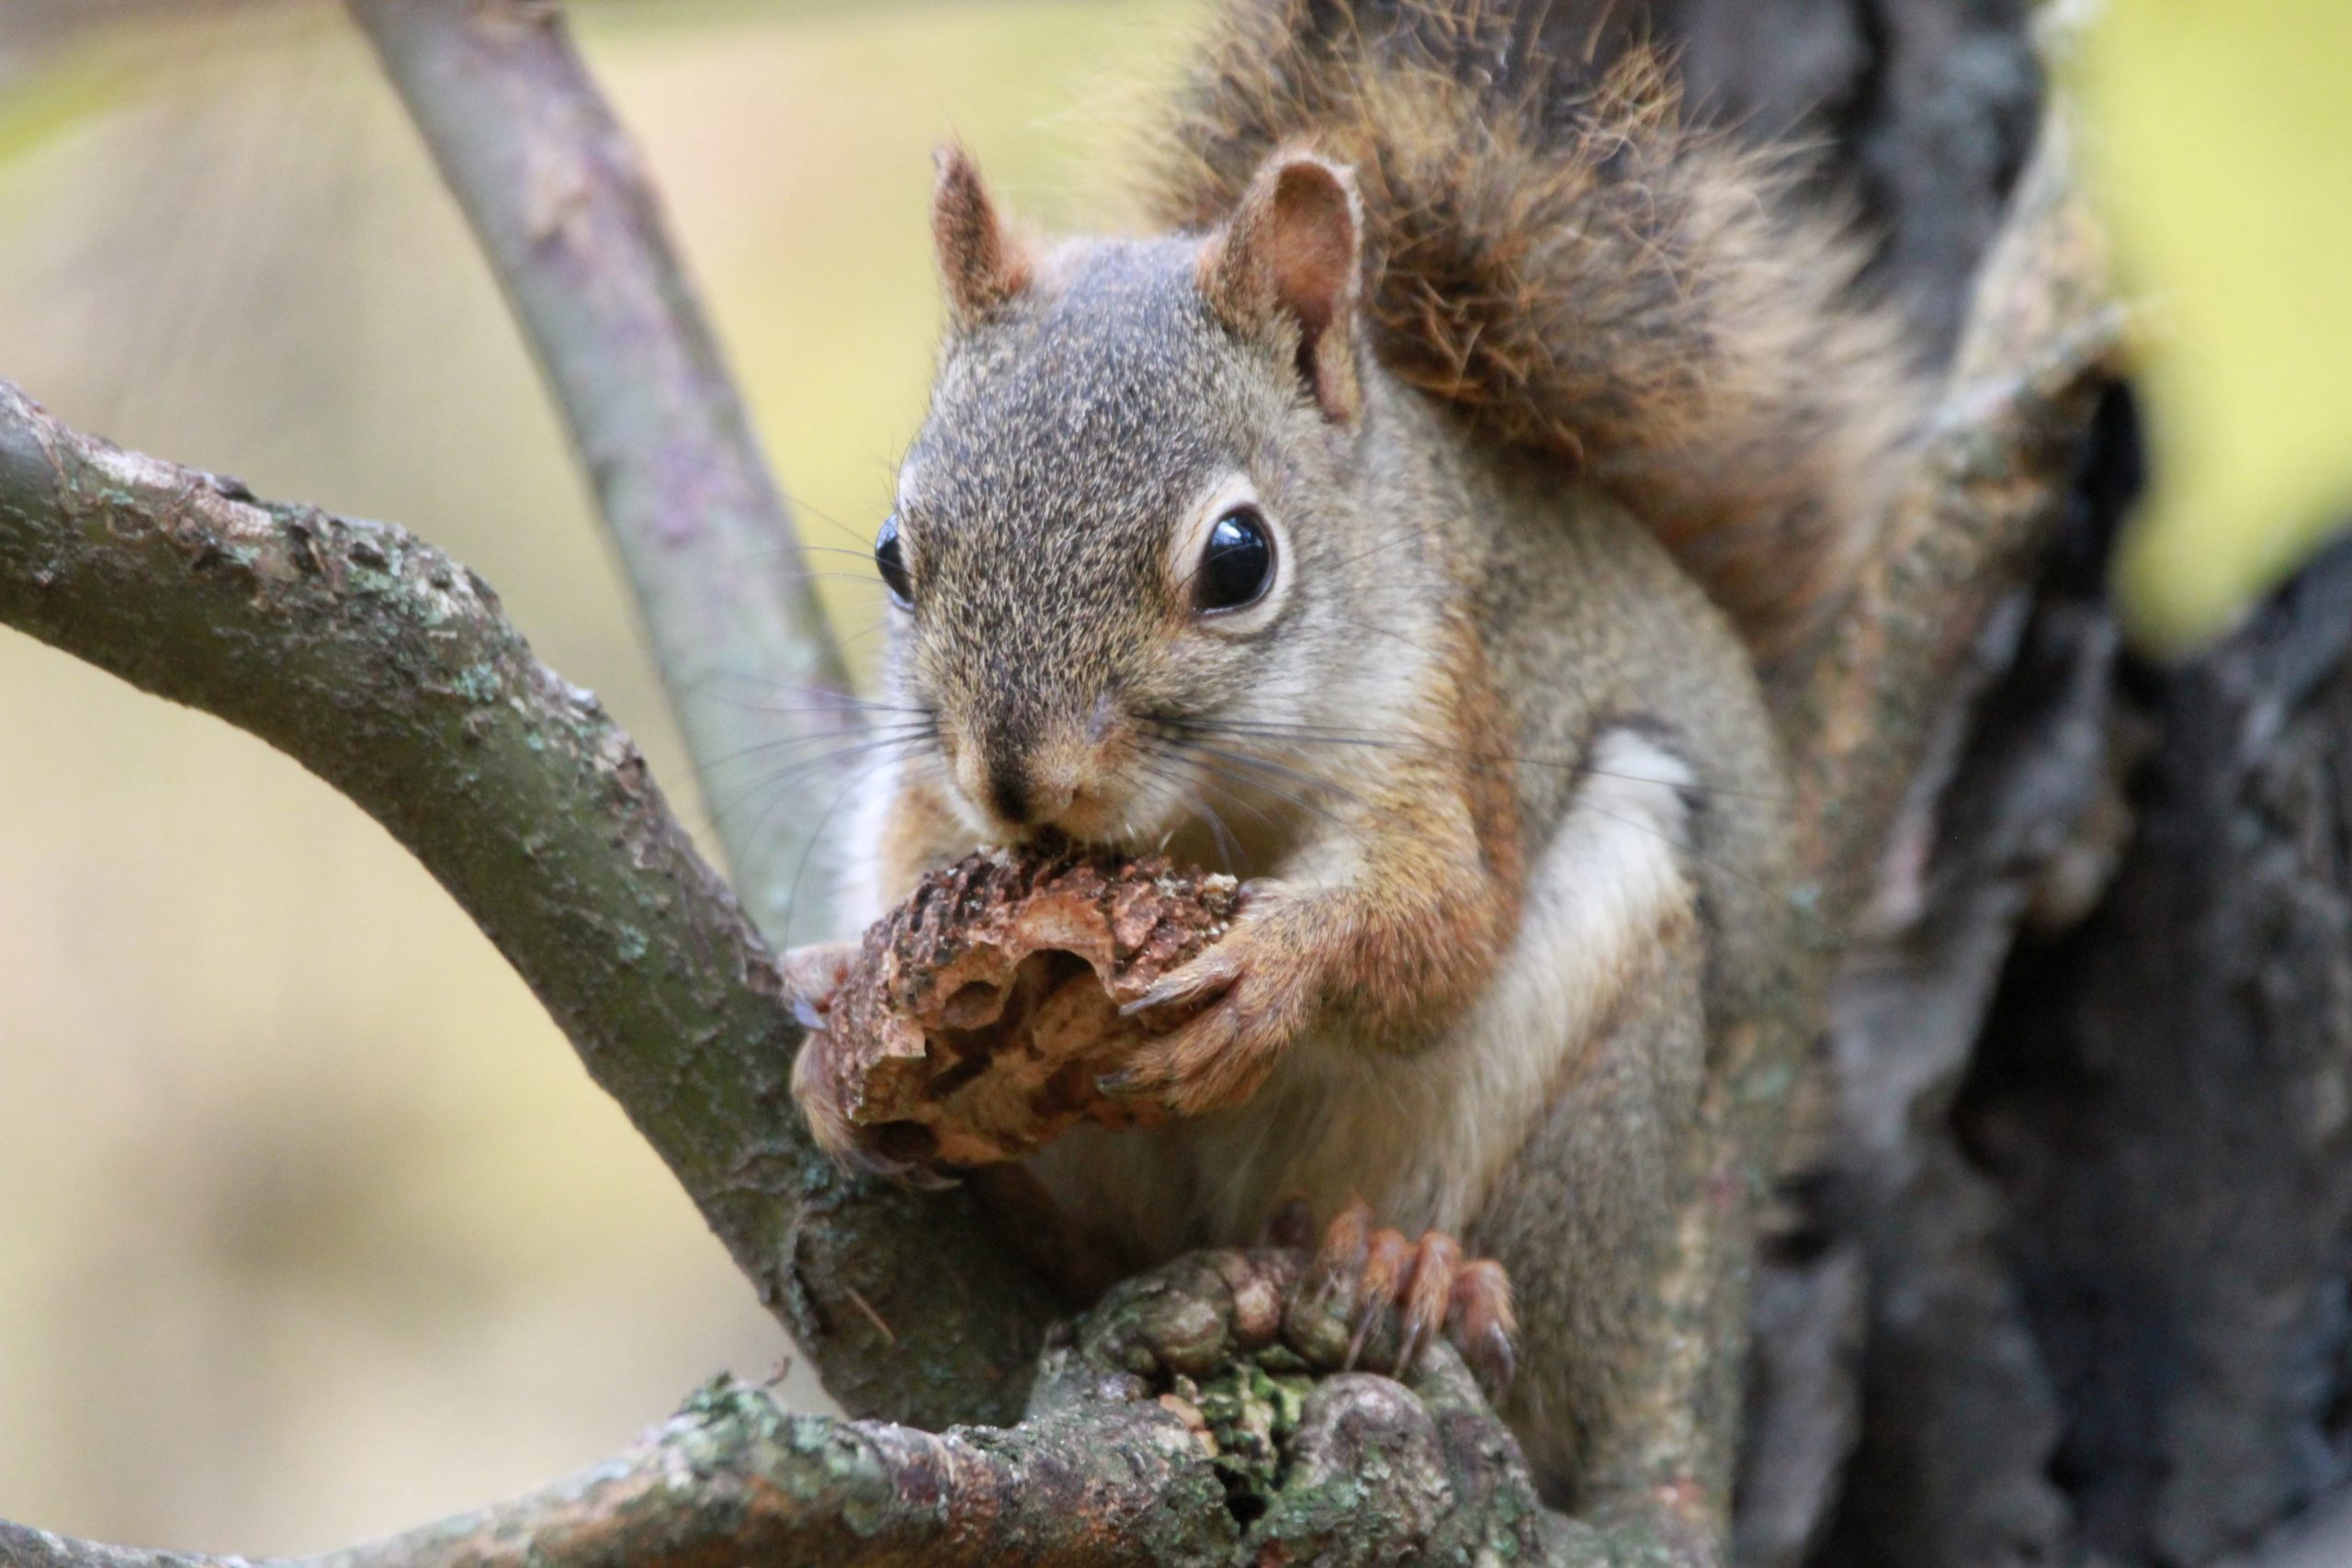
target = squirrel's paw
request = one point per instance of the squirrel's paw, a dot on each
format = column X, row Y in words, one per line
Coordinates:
column 812, row 974
column 1258, row 982
column 1391, row 1297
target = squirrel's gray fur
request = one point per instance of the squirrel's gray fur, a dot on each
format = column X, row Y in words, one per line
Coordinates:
column 1495, row 767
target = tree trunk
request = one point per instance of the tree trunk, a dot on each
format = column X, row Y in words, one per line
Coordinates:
column 2088, row 1201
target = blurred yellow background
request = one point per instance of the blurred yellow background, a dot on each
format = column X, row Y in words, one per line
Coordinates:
column 311, row 1227
column 2220, row 141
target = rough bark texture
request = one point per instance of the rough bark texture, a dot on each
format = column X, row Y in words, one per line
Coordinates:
column 2160, row 1102
column 2096, row 1056
column 2109, row 1312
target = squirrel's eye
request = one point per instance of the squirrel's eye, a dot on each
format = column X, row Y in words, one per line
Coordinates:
column 891, row 562
column 1238, row 565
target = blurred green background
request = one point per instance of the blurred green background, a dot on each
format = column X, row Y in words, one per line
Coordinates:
column 310, row 1226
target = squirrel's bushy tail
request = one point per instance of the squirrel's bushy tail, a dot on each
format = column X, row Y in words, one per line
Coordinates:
column 1554, row 250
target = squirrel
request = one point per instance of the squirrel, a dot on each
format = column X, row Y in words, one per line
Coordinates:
column 1403, row 524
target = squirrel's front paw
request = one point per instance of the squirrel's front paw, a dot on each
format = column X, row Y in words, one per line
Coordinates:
column 812, row 976
column 1389, row 1297
column 1259, row 983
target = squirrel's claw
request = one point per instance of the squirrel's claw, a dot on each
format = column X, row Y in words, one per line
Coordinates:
column 1202, row 979
column 1483, row 1326
column 861, row 1157
column 1388, row 1291
column 1219, row 1059
column 811, row 976
column 1258, row 986
column 857, row 1149
column 1387, row 1257
column 1226, row 962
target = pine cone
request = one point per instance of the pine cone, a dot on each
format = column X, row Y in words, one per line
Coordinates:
column 980, row 1012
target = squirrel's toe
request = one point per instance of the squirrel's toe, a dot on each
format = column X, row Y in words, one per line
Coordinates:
column 1481, row 1323
column 1389, row 1297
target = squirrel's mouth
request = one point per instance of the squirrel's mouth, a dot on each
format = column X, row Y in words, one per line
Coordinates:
column 1102, row 810
column 1090, row 816
column 1093, row 786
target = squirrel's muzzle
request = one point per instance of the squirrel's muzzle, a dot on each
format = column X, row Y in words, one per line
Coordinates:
column 1020, row 783
column 1022, row 777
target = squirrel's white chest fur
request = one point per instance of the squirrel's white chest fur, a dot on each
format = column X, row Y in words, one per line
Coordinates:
column 1421, row 1135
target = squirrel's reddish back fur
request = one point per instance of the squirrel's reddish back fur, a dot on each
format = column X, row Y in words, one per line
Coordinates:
column 1555, row 251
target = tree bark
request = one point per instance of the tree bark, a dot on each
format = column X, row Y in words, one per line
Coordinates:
column 1111, row 1466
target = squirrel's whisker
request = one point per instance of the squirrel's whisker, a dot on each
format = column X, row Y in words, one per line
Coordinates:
column 775, row 782
column 769, row 552
column 817, row 834
column 1307, row 735
column 863, row 580
column 908, row 730
column 781, row 680
column 1319, row 781
column 1256, row 778
column 1228, row 847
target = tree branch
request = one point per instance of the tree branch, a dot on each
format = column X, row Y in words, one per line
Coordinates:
column 574, row 233
column 734, row 1479
column 389, row 669
column 1176, row 1429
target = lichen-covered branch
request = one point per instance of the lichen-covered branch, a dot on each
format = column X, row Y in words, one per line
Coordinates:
column 574, row 232
column 389, row 669
column 732, row 1478
column 1178, row 1428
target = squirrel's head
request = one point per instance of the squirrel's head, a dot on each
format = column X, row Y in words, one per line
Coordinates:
column 1138, row 456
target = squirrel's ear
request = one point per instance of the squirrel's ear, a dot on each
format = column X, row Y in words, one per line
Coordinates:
column 1286, row 267
column 982, row 262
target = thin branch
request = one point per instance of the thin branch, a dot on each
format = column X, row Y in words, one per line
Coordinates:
column 388, row 668
column 572, row 229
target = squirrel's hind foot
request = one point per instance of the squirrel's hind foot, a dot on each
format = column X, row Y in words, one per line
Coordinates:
column 1391, row 1296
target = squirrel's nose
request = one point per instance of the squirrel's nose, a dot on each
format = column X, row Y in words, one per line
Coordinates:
column 1008, row 791
column 1016, row 786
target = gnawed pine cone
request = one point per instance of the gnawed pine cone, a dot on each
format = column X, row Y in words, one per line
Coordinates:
column 979, row 1013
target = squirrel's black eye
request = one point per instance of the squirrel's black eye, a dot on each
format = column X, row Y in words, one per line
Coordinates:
column 1238, row 565
column 891, row 562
